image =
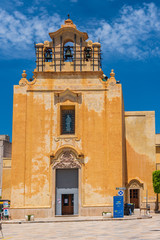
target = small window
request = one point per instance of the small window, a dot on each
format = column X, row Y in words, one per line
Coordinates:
column 66, row 200
column 68, row 120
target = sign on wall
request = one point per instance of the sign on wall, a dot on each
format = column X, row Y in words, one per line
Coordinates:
column 120, row 188
column 120, row 193
column 118, row 207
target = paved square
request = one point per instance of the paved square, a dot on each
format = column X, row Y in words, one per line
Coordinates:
column 127, row 229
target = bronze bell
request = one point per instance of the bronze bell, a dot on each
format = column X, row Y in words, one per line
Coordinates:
column 88, row 53
column 68, row 53
column 48, row 56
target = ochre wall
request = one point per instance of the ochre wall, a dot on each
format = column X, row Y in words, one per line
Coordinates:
column 102, row 146
column 18, row 147
column 140, row 150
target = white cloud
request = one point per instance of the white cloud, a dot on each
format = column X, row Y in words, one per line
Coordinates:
column 18, row 32
column 32, row 9
column 18, row 3
column 135, row 34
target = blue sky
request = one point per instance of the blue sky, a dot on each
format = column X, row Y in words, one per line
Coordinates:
column 129, row 31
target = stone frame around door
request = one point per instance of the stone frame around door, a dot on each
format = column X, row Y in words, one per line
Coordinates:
column 135, row 184
column 66, row 158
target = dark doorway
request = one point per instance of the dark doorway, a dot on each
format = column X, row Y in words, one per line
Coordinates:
column 67, row 204
column 134, row 197
column 66, row 191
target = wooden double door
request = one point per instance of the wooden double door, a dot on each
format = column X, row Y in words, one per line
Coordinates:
column 67, row 204
column 134, row 197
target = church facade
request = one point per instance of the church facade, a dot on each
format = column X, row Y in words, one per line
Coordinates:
column 73, row 143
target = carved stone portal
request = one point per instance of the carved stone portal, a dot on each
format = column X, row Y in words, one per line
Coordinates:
column 134, row 183
column 67, row 160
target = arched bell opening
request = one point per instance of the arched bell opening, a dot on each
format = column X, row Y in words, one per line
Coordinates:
column 87, row 53
column 48, row 55
column 68, row 51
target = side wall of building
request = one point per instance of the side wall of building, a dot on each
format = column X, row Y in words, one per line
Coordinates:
column 140, row 152
column 5, row 152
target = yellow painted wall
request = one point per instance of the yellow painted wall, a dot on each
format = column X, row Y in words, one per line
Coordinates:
column 140, row 149
column 103, row 144
column 18, row 147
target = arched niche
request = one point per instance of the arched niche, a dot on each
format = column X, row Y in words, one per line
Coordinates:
column 68, row 51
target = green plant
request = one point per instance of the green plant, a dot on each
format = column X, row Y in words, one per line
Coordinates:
column 29, row 217
column 156, row 185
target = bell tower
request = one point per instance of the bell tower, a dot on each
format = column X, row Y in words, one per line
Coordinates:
column 68, row 51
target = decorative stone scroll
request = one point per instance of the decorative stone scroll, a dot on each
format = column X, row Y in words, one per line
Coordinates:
column 66, row 139
column 67, row 95
column 23, row 82
column 70, row 140
column 67, row 159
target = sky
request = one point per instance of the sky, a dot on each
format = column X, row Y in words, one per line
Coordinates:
column 129, row 32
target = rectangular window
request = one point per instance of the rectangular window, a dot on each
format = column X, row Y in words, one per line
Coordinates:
column 67, row 120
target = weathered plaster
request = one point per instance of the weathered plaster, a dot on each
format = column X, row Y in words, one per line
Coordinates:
column 95, row 196
column 94, row 102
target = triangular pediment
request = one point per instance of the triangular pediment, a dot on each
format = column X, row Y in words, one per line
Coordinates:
column 67, row 95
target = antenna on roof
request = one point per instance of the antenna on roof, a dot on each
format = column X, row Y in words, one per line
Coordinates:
column 68, row 16
column 99, row 40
